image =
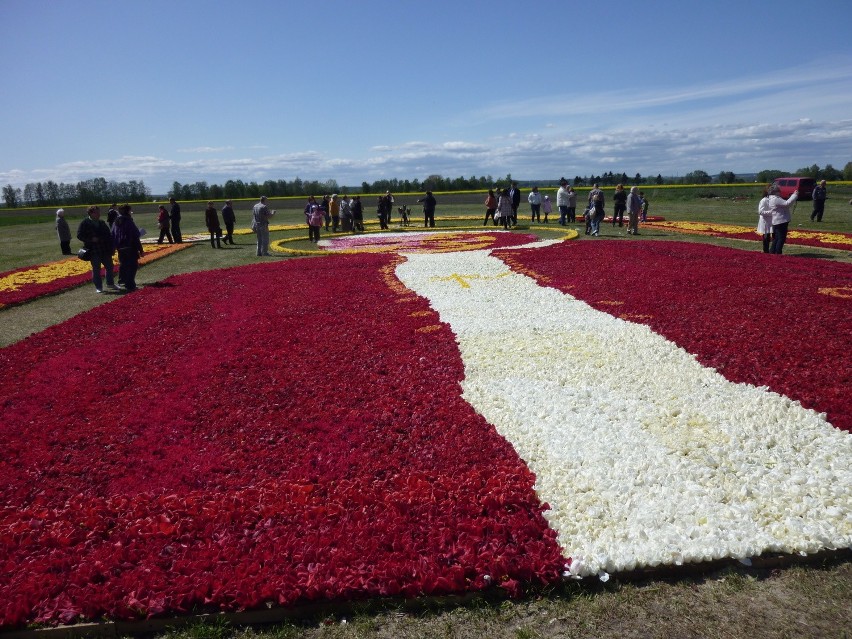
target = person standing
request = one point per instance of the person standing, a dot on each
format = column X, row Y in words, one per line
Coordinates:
column 357, row 209
column 125, row 238
column 819, row 201
column 429, row 204
column 97, row 239
column 112, row 214
column 229, row 219
column 314, row 216
column 643, row 217
column 534, row 198
column 260, row 224
column 490, row 207
column 324, row 204
column 389, row 207
column 211, row 220
column 781, row 216
column 515, row 194
column 382, row 211
column 346, row 213
column 64, row 232
column 764, row 221
column 572, row 205
column 596, row 210
column 562, row 201
column 634, row 208
column 163, row 223
column 504, row 209
column 546, row 208
column 174, row 216
column 334, row 211
column 619, row 200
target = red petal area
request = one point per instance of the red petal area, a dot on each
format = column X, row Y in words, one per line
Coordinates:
column 767, row 320
column 273, row 434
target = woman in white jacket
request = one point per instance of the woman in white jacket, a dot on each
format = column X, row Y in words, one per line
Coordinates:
column 781, row 216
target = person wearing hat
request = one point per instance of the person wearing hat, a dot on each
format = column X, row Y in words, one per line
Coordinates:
column 64, row 232
column 229, row 219
column 819, row 201
column 781, row 216
column 334, row 211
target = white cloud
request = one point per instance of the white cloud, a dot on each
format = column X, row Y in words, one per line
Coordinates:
column 206, row 149
column 739, row 147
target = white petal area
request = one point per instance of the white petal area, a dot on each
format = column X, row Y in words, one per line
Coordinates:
column 644, row 456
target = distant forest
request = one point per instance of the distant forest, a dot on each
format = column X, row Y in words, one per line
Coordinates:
column 100, row 191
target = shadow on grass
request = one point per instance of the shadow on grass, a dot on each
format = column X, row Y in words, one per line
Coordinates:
column 819, row 256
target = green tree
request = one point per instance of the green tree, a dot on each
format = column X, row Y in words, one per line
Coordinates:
column 831, row 174
column 697, row 177
column 847, row 172
column 811, row 171
column 727, row 177
column 768, row 175
column 11, row 196
column 659, row 179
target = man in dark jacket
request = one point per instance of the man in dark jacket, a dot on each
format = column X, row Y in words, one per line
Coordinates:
column 819, row 201
column 229, row 219
column 95, row 236
column 174, row 216
column 428, row 209
column 125, row 237
column 515, row 194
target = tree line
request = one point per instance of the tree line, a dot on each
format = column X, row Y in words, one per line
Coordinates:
column 93, row 191
column 99, row 190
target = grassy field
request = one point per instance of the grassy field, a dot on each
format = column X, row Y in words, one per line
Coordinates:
column 728, row 600
column 27, row 236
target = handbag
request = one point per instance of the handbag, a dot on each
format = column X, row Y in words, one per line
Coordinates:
column 85, row 254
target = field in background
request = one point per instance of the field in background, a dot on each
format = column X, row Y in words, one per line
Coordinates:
column 28, row 236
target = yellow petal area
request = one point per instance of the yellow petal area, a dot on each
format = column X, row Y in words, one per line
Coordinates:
column 700, row 228
column 838, row 291
column 46, row 273
column 831, row 240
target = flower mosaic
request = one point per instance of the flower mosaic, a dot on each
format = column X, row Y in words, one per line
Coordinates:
column 422, row 423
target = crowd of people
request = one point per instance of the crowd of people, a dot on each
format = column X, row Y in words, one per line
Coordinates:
column 101, row 241
column 501, row 207
column 119, row 234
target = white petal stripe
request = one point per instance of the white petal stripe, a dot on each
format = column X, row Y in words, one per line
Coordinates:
column 644, row 456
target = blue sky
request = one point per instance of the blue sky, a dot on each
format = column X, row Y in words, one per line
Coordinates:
column 357, row 91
